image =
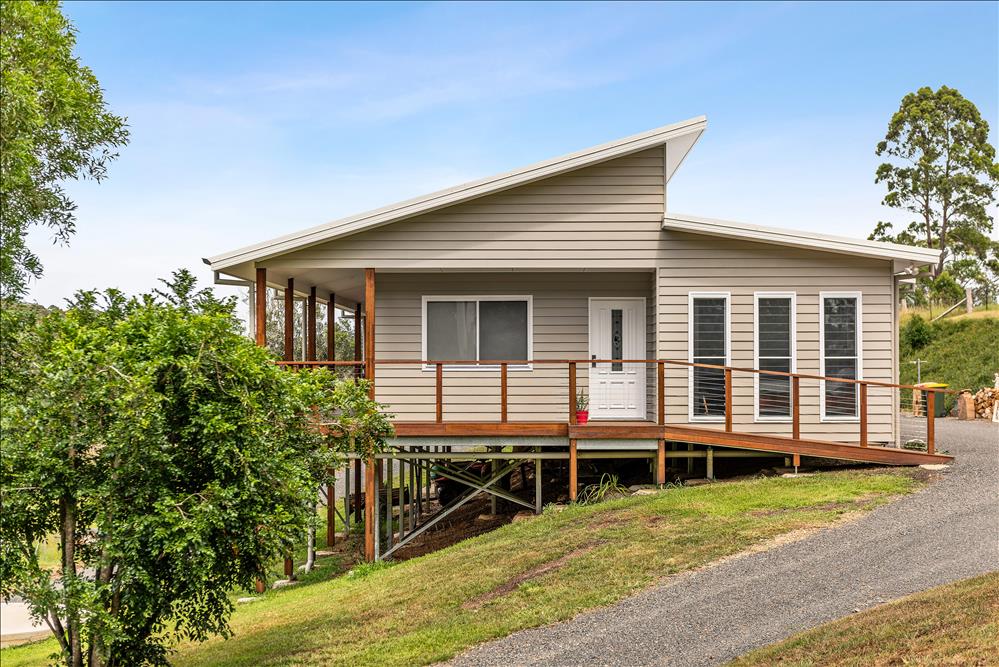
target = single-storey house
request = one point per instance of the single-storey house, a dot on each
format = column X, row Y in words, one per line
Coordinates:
column 490, row 308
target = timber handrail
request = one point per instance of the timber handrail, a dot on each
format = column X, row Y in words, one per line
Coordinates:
column 504, row 366
column 515, row 363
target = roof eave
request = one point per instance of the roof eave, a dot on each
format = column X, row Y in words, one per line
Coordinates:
column 800, row 239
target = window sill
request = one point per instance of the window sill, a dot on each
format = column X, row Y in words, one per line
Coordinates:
column 706, row 420
column 773, row 420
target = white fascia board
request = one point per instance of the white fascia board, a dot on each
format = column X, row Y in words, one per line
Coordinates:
column 799, row 239
column 458, row 194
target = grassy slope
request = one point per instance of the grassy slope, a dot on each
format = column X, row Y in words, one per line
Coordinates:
column 956, row 624
column 964, row 353
column 413, row 613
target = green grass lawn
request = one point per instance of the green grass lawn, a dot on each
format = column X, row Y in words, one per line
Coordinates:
column 956, row 624
column 522, row 575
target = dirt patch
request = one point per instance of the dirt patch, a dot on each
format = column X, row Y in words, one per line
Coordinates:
column 824, row 507
column 533, row 573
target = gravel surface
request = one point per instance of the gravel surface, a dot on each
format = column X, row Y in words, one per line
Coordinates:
column 946, row 532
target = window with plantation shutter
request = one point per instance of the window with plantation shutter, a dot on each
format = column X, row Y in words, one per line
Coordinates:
column 774, row 352
column 841, row 357
column 708, row 345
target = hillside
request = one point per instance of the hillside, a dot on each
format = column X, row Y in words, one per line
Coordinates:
column 523, row 575
column 962, row 351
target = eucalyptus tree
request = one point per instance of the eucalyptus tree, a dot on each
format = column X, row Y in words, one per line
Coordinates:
column 54, row 126
column 941, row 169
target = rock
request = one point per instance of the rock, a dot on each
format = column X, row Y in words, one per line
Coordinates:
column 696, row 482
column 487, row 517
column 934, row 466
column 282, row 583
column 522, row 516
column 791, row 475
column 639, row 487
column 645, row 492
column 246, row 600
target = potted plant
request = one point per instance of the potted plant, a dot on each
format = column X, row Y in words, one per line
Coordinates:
column 582, row 407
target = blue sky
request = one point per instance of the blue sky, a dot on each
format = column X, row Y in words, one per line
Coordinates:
column 253, row 120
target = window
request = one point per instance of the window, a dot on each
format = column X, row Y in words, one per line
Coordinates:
column 841, row 353
column 477, row 328
column 775, row 334
column 709, row 318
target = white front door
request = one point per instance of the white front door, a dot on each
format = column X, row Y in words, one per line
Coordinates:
column 617, row 331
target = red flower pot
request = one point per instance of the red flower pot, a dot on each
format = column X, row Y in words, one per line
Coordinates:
column 582, row 416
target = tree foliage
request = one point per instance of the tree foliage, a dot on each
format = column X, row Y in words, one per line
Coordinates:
column 54, row 126
column 171, row 457
column 942, row 169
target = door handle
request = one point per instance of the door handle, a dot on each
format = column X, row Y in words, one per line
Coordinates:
column 592, row 363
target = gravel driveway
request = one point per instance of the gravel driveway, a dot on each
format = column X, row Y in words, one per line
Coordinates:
column 946, row 532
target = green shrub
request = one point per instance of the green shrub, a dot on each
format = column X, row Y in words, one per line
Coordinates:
column 916, row 334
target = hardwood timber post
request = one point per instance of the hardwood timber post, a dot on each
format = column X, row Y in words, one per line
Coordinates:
column 369, row 510
column 930, row 426
column 439, row 392
column 503, row 393
column 661, row 393
column 795, row 407
column 357, row 339
column 357, row 490
column 572, row 409
column 260, row 293
column 863, row 414
column 573, row 465
column 310, row 316
column 331, row 513
column 331, row 328
column 369, row 329
column 369, row 373
column 289, row 320
column 728, row 400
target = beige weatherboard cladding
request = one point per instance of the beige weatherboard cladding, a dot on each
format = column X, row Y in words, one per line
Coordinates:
column 592, row 224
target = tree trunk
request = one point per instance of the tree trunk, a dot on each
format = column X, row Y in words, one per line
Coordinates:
column 67, row 512
column 310, row 557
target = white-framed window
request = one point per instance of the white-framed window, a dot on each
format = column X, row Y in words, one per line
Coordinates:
column 774, row 349
column 841, row 353
column 709, row 318
column 474, row 328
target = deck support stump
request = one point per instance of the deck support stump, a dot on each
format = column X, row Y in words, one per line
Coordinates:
column 661, row 462
column 369, row 510
column 573, row 470
column 537, row 486
column 331, row 513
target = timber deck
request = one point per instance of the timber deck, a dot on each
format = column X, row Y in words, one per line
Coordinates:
column 648, row 430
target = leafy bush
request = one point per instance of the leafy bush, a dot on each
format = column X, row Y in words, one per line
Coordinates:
column 916, row 333
column 171, row 457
